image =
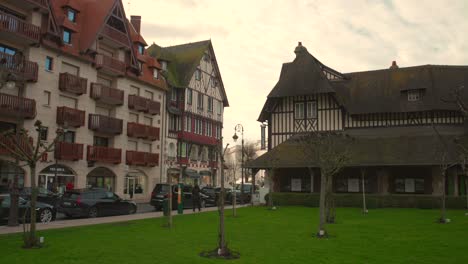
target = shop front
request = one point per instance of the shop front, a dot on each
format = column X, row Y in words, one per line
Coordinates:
column 57, row 177
column 101, row 178
column 135, row 185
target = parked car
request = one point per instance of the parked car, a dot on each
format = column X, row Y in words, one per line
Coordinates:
column 94, row 202
column 247, row 196
column 43, row 196
column 45, row 213
column 161, row 193
column 213, row 194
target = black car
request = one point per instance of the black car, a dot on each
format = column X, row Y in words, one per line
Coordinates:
column 161, row 192
column 247, row 196
column 93, row 203
column 43, row 196
column 213, row 194
column 45, row 213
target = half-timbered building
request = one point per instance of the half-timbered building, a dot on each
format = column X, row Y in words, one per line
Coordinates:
column 195, row 109
column 398, row 117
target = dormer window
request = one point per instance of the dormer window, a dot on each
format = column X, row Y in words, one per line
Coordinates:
column 414, row 95
column 155, row 74
column 71, row 15
column 164, row 65
column 141, row 49
column 198, row 74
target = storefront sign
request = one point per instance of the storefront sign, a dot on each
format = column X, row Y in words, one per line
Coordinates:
column 296, row 185
column 57, row 168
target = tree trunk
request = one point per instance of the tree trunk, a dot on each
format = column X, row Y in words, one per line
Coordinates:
column 14, row 201
column 32, row 239
column 443, row 209
column 252, row 190
column 222, row 250
column 271, row 173
column 364, row 206
column 322, row 221
column 330, row 202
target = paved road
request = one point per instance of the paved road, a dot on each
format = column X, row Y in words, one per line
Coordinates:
column 100, row 220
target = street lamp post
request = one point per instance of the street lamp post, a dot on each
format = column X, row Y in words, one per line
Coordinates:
column 240, row 128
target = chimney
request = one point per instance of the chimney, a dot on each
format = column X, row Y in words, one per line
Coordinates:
column 136, row 22
column 300, row 49
column 394, row 65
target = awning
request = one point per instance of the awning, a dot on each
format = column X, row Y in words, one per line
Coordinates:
column 173, row 171
column 205, row 173
column 365, row 151
column 191, row 174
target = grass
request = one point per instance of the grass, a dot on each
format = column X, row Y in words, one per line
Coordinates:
column 261, row 236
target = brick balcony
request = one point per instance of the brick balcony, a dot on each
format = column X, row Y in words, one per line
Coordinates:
column 18, row 30
column 21, row 70
column 14, row 106
column 110, row 65
column 142, row 131
column 142, row 158
column 68, row 151
column 72, row 84
column 116, row 36
column 67, row 116
column 106, row 94
column 104, row 154
column 105, row 124
column 142, row 104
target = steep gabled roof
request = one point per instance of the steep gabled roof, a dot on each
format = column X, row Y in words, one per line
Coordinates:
column 184, row 60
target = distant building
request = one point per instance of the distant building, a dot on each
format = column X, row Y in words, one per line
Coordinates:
column 234, row 161
column 195, row 107
column 389, row 112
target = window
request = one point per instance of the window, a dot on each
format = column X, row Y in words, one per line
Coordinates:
column 200, row 101
column 71, row 15
column 189, row 96
column 149, row 95
column 47, row 98
column 198, row 74
column 414, row 95
column 148, row 121
column 220, row 107
column 182, row 149
column 101, row 141
column 155, row 73
column 68, row 137
column 147, row 147
column 134, row 90
column 173, row 95
column 298, row 110
column 141, row 49
column 133, row 117
column 67, row 36
column 164, row 65
column 409, row 185
column 7, row 50
column 44, row 131
column 210, row 104
column 188, row 124
column 49, row 63
column 209, row 129
column 132, row 145
column 214, row 82
column 312, row 109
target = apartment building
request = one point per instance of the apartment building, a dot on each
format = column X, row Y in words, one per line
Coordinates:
column 82, row 66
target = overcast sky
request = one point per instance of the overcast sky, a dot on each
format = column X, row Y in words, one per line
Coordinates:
column 252, row 38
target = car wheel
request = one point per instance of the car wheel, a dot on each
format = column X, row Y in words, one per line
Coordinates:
column 46, row 215
column 132, row 209
column 93, row 212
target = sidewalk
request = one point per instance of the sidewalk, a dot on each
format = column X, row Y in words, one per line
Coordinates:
column 102, row 220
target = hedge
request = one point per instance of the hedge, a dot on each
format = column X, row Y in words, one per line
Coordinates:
column 372, row 200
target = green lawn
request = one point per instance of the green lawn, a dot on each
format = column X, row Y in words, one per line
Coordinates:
column 261, row 236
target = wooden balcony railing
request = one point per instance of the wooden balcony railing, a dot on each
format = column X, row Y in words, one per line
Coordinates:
column 105, row 124
column 142, row 104
column 110, row 65
column 154, row 108
column 136, row 130
column 72, row 83
column 67, row 116
column 142, row 131
column 142, row 158
column 21, row 69
column 25, row 146
column 68, row 151
column 14, row 106
column 104, row 154
column 106, row 94
column 41, row 3
column 135, row 158
column 18, row 27
column 116, row 35
column 138, row 103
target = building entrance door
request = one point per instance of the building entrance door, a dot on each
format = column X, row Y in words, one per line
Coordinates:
column 129, row 188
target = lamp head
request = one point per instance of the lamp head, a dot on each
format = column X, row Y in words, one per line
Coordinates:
column 235, row 137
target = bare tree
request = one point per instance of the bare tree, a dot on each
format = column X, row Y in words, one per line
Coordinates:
column 21, row 146
column 329, row 152
column 250, row 153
